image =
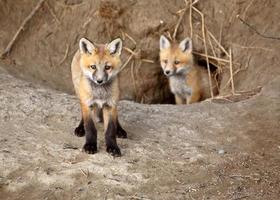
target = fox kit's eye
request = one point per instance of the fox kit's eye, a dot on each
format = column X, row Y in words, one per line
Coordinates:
column 165, row 61
column 176, row 62
column 93, row 67
column 108, row 67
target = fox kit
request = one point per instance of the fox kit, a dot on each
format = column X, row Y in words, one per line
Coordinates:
column 188, row 82
column 95, row 77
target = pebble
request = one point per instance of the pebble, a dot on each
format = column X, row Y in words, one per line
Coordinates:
column 221, row 151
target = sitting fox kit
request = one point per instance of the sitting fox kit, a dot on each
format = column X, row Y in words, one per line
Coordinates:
column 94, row 73
column 188, row 82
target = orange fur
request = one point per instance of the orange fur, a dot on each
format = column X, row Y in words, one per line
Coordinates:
column 196, row 77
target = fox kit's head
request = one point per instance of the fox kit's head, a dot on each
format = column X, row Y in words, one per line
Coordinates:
column 100, row 63
column 175, row 58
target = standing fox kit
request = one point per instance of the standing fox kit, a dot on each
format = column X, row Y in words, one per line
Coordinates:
column 95, row 78
column 188, row 82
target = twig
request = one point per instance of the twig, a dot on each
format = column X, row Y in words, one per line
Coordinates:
column 65, row 55
column 190, row 19
column 147, row 61
column 219, row 68
column 87, row 22
column 246, row 9
column 217, row 42
column 133, row 79
column 205, row 49
column 129, row 37
column 178, row 24
column 237, row 71
column 129, row 50
column 21, row 28
column 231, row 74
column 52, row 13
column 211, row 45
column 212, row 57
column 84, row 173
column 169, row 35
column 221, row 33
column 127, row 61
column 182, row 13
column 256, row 31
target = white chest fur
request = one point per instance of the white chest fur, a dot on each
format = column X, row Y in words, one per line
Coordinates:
column 102, row 95
column 179, row 86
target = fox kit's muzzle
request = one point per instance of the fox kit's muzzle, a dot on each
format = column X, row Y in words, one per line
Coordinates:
column 100, row 76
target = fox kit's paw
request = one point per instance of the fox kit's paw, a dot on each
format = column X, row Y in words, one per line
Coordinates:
column 121, row 133
column 114, row 150
column 90, row 148
column 80, row 131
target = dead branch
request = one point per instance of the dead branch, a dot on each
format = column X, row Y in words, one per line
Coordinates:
column 86, row 174
column 65, row 55
column 217, row 42
column 247, row 8
column 205, row 49
column 237, row 71
column 52, row 13
column 147, row 60
column 190, row 19
column 133, row 79
column 178, row 24
column 231, row 72
column 129, row 50
column 211, row 57
column 127, row 61
column 182, row 12
column 129, row 37
column 21, row 28
column 256, row 31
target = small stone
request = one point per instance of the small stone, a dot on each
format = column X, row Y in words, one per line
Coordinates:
column 221, row 151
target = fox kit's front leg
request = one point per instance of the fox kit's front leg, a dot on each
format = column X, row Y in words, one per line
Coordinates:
column 111, row 130
column 90, row 130
column 179, row 100
column 80, row 130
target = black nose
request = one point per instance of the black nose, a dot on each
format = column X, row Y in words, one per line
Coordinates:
column 99, row 81
column 167, row 72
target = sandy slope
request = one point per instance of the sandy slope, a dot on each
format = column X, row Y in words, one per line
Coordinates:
column 202, row 151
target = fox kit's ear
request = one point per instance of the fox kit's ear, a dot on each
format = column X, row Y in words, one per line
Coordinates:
column 164, row 43
column 186, row 45
column 86, row 46
column 115, row 47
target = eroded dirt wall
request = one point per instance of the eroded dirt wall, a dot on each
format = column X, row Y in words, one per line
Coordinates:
column 44, row 50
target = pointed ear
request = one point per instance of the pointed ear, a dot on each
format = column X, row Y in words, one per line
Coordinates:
column 164, row 43
column 86, row 46
column 186, row 45
column 115, row 47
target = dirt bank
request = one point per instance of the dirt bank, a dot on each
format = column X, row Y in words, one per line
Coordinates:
column 202, row 151
column 43, row 52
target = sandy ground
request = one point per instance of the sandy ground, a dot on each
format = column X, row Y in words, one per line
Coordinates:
column 203, row 151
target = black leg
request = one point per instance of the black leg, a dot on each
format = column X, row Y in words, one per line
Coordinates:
column 110, row 138
column 80, row 130
column 91, row 137
column 121, row 133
